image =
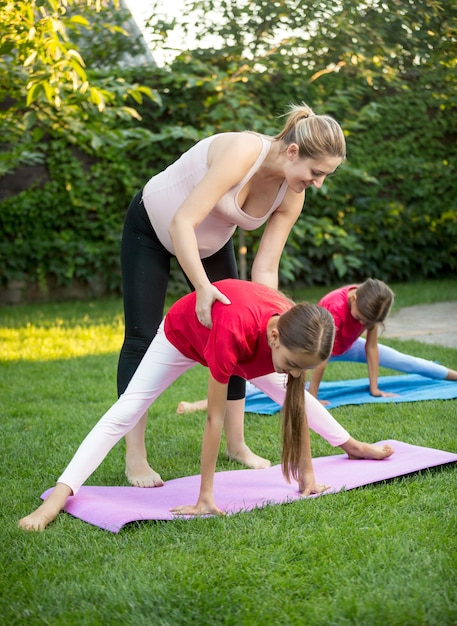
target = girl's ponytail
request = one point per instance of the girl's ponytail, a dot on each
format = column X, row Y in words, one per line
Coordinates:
column 295, row 433
column 307, row 328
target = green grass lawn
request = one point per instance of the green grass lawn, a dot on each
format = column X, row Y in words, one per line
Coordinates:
column 384, row 554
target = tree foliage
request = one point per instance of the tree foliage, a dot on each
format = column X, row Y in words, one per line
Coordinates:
column 46, row 89
column 385, row 71
column 78, row 122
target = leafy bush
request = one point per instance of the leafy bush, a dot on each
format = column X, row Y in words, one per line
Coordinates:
column 390, row 210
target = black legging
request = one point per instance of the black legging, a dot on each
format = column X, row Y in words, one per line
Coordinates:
column 145, row 265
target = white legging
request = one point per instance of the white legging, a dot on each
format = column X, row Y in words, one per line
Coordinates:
column 394, row 360
column 161, row 365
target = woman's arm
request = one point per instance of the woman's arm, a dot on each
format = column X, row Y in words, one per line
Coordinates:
column 217, row 402
column 229, row 160
column 266, row 263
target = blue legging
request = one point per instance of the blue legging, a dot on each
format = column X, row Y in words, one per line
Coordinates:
column 394, row 360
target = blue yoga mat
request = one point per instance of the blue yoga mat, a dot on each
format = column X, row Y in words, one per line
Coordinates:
column 409, row 387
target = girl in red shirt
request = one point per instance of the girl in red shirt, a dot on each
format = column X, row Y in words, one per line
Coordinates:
column 361, row 308
column 260, row 336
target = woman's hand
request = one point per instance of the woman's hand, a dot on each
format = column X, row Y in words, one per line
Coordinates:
column 307, row 485
column 206, row 297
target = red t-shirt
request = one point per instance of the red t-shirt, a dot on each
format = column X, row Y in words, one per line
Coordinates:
column 347, row 328
column 237, row 342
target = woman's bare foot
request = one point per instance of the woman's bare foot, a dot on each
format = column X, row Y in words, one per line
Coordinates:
column 245, row 456
column 192, row 407
column 361, row 450
column 141, row 474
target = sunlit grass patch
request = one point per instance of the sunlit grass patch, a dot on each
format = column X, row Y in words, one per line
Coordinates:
column 40, row 343
column 61, row 331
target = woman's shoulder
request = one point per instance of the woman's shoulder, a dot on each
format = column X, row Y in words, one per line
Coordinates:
column 243, row 140
column 241, row 149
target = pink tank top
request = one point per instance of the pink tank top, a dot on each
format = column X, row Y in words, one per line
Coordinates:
column 164, row 193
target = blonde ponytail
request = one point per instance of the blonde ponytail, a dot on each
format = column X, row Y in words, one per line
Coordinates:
column 317, row 136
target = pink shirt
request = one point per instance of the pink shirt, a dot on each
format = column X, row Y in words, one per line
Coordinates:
column 164, row 193
column 347, row 328
column 237, row 342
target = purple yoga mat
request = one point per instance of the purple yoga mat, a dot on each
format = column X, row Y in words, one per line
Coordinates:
column 111, row 508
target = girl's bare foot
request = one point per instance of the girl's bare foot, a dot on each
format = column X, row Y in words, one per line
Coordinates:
column 192, row 407
column 245, row 456
column 48, row 511
column 141, row 474
column 361, row 450
column 39, row 519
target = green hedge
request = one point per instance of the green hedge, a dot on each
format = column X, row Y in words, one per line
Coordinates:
column 390, row 212
column 70, row 227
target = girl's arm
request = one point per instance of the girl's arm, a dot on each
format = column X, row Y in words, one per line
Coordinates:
column 372, row 354
column 217, row 402
column 266, row 263
column 307, row 484
column 315, row 381
column 230, row 158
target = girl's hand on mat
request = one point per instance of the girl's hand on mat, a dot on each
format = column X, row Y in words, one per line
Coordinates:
column 377, row 393
column 307, row 485
column 206, row 297
column 197, row 509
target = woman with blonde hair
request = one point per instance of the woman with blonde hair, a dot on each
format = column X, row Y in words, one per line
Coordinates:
column 189, row 211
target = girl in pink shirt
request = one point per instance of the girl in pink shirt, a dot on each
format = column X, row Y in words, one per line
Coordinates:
column 261, row 336
column 361, row 308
